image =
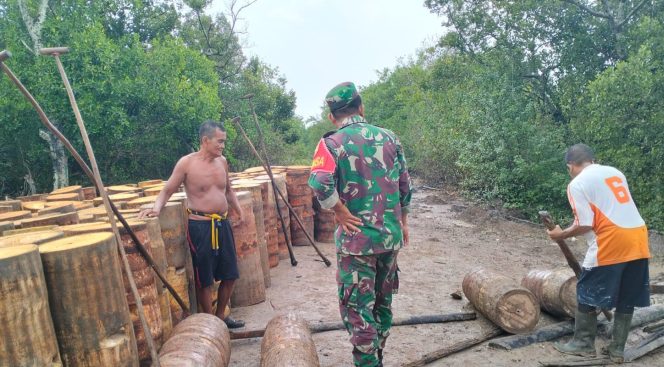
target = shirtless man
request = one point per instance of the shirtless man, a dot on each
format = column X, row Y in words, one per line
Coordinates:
column 209, row 196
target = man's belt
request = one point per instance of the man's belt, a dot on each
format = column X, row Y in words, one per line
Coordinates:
column 215, row 222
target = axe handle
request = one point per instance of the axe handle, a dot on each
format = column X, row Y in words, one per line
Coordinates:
column 546, row 219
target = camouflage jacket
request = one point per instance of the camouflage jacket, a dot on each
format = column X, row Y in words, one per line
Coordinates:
column 363, row 166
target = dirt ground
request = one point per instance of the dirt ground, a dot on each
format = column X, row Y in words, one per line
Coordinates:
column 449, row 238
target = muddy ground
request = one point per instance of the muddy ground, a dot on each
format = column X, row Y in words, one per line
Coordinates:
column 449, row 238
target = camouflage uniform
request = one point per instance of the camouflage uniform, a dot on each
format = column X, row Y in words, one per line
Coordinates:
column 364, row 166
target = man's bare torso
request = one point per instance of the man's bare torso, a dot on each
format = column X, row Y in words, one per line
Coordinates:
column 205, row 184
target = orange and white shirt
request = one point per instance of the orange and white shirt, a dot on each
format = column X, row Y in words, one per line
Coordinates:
column 600, row 198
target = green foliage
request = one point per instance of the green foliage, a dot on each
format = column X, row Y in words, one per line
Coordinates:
column 145, row 74
column 622, row 117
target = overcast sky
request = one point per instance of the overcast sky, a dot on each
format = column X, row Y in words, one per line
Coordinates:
column 317, row 44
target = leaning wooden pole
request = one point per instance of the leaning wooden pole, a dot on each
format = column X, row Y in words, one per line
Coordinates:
column 276, row 189
column 4, row 55
column 55, row 52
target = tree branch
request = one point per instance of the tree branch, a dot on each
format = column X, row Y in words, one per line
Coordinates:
column 587, row 9
column 631, row 13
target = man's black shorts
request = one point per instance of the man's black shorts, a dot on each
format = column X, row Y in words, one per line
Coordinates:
column 624, row 286
column 212, row 265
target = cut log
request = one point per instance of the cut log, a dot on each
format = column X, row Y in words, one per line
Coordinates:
column 30, row 238
column 27, row 336
column 15, row 215
column 76, row 189
column 6, row 226
column 555, row 290
column 91, row 316
column 57, row 207
column 200, row 340
column 64, row 197
column 12, row 232
column 288, row 343
column 60, row 219
column 501, row 300
column 250, row 287
column 257, row 201
column 14, row 204
column 454, row 348
column 173, row 233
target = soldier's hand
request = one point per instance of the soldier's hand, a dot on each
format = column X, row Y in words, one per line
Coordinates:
column 406, row 235
column 346, row 220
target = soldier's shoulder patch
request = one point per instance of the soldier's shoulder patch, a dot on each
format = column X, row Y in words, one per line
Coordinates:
column 323, row 159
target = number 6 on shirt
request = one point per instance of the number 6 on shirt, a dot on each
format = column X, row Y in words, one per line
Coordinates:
column 620, row 192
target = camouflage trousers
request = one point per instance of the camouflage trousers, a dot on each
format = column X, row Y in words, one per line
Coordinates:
column 366, row 284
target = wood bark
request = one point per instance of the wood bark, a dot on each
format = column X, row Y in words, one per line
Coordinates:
column 288, row 343
column 513, row 308
column 250, row 287
column 555, row 290
column 261, row 240
column 27, row 336
column 91, row 316
column 200, row 340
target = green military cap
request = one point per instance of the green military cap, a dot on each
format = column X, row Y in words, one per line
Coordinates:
column 341, row 96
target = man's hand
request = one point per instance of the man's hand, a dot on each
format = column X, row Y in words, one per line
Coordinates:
column 346, row 220
column 556, row 234
column 148, row 213
column 406, row 235
column 241, row 216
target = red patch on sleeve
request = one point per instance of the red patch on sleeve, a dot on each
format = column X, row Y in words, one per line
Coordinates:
column 323, row 160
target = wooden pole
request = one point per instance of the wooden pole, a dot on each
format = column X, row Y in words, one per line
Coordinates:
column 330, row 326
column 276, row 189
column 454, row 348
column 95, row 170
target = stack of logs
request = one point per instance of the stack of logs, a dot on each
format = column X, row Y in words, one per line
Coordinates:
column 300, row 197
column 324, row 223
column 70, row 227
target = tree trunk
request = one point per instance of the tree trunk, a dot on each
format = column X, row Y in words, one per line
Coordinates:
column 59, row 158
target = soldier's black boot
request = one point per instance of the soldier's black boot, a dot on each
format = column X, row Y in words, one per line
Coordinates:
column 583, row 342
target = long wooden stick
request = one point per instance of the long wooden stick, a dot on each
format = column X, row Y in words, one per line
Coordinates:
column 321, row 327
column 573, row 263
column 454, row 348
column 95, row 170
column 283, row 197
column 88, row 172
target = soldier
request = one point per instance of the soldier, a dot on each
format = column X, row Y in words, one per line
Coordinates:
column 615, row 270
column 360, row 172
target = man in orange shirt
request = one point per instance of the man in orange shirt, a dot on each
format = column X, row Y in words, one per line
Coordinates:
column 615, row 269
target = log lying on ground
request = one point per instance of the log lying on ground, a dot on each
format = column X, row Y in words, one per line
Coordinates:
column 288, row 343
column 454, row 348
column 513, row 308
column 330, row 326
column 641, row 317
column 555, row 290
column 199, row 340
